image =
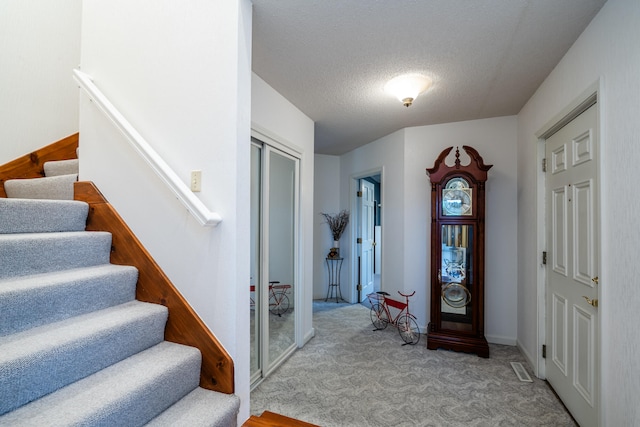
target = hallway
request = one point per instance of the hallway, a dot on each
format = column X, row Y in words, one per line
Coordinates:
column 350, row 375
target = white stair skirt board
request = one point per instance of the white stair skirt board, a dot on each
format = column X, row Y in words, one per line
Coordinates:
column 521, row 372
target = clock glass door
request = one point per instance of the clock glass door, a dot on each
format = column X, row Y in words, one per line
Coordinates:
column 456, row 277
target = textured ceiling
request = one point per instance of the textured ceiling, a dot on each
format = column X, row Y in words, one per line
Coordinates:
column 331, row 58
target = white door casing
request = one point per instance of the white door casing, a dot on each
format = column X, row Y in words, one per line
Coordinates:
column 367, row 206
column 572, row 322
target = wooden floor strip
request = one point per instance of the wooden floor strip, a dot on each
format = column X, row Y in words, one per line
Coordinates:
column 271, row 419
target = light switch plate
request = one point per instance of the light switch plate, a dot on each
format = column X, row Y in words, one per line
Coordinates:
column 196, row 181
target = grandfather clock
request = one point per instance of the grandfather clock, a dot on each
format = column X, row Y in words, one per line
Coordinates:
column 457, row 254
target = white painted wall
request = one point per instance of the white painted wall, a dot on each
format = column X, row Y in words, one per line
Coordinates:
column 495, row 140
column 39, row 47
column 180, row 73
column 607, row 52
column 326, row 199
column 279, row 120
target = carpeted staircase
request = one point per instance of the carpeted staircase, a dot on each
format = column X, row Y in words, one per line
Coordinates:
column 76, row 348
column 57, row 183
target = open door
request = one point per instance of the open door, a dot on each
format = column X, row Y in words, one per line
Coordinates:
column 367, row 242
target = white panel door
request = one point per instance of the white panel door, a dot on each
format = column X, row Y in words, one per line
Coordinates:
column 367, row 234
column 572, row 363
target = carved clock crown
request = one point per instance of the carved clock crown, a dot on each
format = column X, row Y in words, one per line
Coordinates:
column 475, row 167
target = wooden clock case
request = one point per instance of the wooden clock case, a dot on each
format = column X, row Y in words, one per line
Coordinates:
column 457, row 254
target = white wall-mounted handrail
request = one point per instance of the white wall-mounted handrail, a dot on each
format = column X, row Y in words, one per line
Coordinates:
column 160, row 167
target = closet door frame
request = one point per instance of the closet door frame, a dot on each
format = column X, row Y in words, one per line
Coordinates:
column 269, row 144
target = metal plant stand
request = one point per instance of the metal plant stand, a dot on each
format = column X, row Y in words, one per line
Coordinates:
column 334, row 267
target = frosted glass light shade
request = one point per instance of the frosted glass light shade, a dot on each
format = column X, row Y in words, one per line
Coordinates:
column 407, row 87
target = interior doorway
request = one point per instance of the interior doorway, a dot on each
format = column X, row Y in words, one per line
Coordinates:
column 368, row 216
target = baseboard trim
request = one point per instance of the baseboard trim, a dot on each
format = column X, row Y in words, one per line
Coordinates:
column 494, row 339
column 309, row 335
column 529, row 359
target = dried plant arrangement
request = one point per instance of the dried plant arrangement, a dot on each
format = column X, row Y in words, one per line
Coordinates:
column 337, row 223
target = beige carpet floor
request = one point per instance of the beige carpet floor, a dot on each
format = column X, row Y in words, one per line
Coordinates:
column 351, row 375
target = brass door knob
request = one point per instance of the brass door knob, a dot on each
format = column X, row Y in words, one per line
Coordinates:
column 595, row 280
column 593, row 302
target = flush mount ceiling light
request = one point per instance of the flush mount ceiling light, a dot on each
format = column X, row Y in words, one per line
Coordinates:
column 407, row 87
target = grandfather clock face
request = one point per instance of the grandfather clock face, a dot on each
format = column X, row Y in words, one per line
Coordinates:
column 457, row 198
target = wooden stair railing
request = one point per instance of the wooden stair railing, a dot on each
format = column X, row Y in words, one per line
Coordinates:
column 30, row 165
column 183, row 326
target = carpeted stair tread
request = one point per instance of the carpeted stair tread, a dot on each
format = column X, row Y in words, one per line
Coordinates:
column 56, row 296
column 129, row 393
column 200, row 408
column 61, row 167
column 41, row 216
column 40, row 360
column 34, row 253
column 51, row 187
